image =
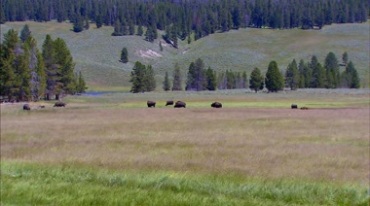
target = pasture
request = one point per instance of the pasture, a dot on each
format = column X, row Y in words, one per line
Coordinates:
column 110, row 149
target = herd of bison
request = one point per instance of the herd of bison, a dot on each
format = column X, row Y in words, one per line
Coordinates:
column 178, row 104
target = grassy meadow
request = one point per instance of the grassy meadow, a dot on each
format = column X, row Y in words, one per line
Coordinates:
column 109, row 149
column 97, row 53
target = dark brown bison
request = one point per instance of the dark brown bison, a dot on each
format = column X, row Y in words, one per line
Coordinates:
column 151, row 103
column 216, row 105
column 304, row 108
column 60, row 104
column 180, row 104
column 26, row 107
column 169, row 102
column 294, row 106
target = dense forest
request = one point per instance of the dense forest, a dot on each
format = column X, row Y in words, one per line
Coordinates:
column 181, row 18
column 28, row 74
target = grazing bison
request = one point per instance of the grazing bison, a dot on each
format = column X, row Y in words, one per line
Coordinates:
column 169, row 102
column 59, row 104
column 294, row 106
column 216, row 105
column 304, row 108
column 150, row 103
column 180, row 104
column 26, row 107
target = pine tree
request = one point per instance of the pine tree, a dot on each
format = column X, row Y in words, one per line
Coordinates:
column 211, row 79
column 25, row 33
column 137, row 78
column 140, row 30
column 332, row 70
column 166, row 82
column 274, row 80
column 142, row 78
column 66, row 75
column 99, row 21
column 117, row 28
column 7, row 74
column 191, row 77
column 124, row 55
column 318, row 78
column 149, row 35
column 78, row 25
column 292, row 75
column 81, row 84
column 350, row 77
column 256, row 80
column 48, row 54
column 41, row 76
column 177, row 79
column 87, row 24
column 345, row 58
column 37, row 70
column 301, row 70
column 149, row 80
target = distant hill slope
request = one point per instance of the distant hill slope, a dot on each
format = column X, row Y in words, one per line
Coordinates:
column 97, row 53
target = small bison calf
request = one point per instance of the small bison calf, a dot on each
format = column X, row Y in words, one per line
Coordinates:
column 216, row 105
column 304, row 108
column 26, row 107
column 151, row 103
column 169, row 102
column 60, row 104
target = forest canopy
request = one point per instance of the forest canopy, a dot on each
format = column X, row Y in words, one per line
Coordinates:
column 183, row 17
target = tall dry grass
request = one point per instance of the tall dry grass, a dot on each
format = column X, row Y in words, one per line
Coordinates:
column 318, row 144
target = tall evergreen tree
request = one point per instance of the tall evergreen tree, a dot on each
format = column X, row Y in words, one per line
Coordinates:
column 137, row 78
column 350, row 77
column 149, row 80
column 64, row 60
column 318, row 78
column 301, row 70
column 166, row 82
column 25, row 33
column 142, row 78
column 274, row 80
column 78, row 24
column 140, row 30
column 256, row 80
column 124, row 55
column 292, row 75
column 345, row 58
column 177, row 79
column 99, row 21
column 211, row 79
column 332, row 70
column 81, row 84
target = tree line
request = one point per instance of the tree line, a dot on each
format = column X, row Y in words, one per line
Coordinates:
column 28, row 74
column 303, row 75
column 182, row 18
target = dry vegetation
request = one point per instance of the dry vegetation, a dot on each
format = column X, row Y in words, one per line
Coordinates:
column 321, row 144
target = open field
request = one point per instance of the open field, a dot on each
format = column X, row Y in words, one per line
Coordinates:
column 97, row 53
column 112, row 150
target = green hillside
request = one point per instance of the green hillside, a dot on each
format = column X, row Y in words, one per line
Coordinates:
column 97, row 53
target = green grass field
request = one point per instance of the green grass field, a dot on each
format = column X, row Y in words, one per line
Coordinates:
column 96, row 52
column 112, row 150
